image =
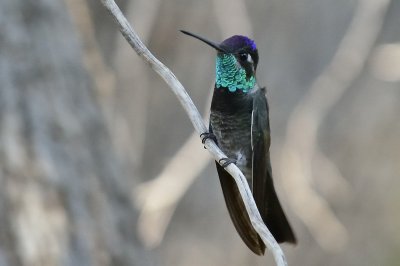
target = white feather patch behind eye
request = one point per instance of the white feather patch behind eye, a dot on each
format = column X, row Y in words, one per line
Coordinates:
column 249, row 59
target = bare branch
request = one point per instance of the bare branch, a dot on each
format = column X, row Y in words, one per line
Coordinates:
column 200, row 127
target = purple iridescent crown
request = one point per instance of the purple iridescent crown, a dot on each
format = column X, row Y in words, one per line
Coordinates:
column 237, row 42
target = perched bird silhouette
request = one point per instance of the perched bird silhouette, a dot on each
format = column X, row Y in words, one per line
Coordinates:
column 239, row 124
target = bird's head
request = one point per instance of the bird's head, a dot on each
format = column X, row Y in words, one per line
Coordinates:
column 236, row 64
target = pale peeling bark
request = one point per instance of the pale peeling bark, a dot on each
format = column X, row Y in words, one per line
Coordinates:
column 64, row 199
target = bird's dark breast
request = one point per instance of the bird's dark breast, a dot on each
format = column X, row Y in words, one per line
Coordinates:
column 230, row 120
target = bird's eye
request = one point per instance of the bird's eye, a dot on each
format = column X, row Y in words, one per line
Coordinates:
column 243, row 57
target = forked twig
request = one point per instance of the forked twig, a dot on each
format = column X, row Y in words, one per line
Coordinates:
column 199, row 126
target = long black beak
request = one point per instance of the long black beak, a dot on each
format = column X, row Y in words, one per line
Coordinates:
column 210, row 43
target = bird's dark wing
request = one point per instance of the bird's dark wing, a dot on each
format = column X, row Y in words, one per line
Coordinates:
column 263, row 187
column 238, row 212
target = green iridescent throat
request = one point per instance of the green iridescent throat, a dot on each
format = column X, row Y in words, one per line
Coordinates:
column 230, row 75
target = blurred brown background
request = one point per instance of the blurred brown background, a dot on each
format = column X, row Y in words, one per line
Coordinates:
column 98, row 164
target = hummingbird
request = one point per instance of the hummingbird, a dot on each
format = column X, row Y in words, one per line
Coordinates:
column 239, row 125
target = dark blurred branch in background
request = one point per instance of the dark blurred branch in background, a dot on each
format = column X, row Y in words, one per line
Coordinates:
column 64, row 198
column 198, row 124
column 300, row 150
column 103, row 77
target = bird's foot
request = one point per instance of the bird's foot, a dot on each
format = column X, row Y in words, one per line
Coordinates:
column 207, row 135
column 226, row 162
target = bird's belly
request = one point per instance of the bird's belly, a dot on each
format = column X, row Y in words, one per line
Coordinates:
column 233, row 135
